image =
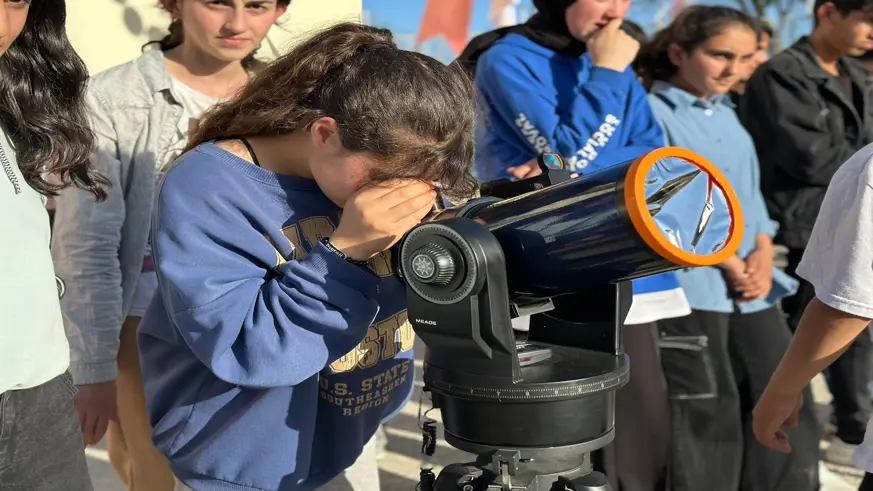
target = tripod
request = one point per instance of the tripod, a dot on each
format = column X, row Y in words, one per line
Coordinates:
column 542, row 469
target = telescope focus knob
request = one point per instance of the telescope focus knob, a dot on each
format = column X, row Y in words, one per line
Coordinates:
column 433, row 264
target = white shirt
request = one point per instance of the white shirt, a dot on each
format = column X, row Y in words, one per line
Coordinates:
column 194, row 104
column 33, row 345
column 654, row 306
column 838, row 261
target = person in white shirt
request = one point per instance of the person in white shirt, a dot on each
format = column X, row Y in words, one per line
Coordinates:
column 838, row 262
column 44, row 146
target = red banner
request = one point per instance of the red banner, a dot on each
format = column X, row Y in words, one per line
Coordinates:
column 449, row 18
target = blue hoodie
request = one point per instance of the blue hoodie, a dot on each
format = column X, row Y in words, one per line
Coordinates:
column 532, row 100
column 268, row 360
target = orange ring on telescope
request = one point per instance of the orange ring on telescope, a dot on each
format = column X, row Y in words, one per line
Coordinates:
column 638, row 210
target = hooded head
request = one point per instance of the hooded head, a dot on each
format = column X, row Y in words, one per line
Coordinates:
column 560, row 25
column 553, row 14
column 579, row 19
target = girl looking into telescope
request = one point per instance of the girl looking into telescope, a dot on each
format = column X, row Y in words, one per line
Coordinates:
column 142, row 113
column 279, row 340
column 740, row 331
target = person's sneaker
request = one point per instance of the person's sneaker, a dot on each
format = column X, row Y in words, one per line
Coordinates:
column 839, row 452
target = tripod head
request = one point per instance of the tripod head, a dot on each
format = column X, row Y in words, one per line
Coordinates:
column 562, row 250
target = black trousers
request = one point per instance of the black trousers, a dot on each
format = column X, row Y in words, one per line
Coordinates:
column 867, row 483
column 848, row 376
column 637, row 460
column 717, row 366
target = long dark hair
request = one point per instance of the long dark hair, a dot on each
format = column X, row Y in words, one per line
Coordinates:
column 691, row 28
column 176, row 35
column 411, row 112
column 42, row 108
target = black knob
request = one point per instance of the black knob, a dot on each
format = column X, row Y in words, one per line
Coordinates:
column 432, row 264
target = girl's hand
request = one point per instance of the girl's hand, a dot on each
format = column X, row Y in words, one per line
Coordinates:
column 377, row 216
column 734, row 270
column 773, row 411
column 759, row 269
column 95, row 404
column 528, row 169
column 612, row 48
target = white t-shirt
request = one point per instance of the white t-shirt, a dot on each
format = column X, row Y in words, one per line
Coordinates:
column 194, row 104
column 654, row 306
column 33, row 344
column 838, row 261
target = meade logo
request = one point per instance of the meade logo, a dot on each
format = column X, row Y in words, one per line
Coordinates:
column 422, row 321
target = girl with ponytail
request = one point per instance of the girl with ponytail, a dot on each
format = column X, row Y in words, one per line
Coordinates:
column 279, row 340
column 142, row 113
column 739, row 330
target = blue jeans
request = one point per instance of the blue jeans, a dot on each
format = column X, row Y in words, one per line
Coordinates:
column 41, row 447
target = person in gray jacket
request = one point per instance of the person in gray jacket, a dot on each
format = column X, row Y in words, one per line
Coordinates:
column 141, row 113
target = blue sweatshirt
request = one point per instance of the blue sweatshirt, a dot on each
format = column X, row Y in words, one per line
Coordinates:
column 268, row 360
column 532, row 100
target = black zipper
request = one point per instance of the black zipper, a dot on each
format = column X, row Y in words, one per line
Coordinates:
column 9, row 170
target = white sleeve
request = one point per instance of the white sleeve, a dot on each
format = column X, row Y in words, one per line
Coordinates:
column 838, row 260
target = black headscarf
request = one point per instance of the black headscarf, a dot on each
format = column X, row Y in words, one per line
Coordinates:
column 548, row 28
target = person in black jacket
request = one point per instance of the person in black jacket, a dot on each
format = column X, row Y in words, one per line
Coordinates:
column 808, row 110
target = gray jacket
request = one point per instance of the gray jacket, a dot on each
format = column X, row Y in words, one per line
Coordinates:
column 98, row 248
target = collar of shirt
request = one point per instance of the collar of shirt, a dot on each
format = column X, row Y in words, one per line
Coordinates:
column 680, row 99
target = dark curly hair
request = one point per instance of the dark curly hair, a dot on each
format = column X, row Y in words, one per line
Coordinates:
column 691, row 28
column 42, row 107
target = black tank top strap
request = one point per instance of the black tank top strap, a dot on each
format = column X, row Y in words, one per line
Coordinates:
column 250, row 149
column 247, row 145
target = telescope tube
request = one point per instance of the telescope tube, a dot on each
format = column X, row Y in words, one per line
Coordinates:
column 668, row 209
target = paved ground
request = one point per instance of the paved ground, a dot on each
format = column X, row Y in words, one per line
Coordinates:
column 399, row 466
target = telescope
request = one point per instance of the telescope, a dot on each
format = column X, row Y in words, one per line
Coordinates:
column 563, row 251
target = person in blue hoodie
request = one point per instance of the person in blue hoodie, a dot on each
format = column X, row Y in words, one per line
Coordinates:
column 723, row 354
column 279, row 340
column 562, row 83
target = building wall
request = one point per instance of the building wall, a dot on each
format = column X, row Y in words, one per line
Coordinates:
column 109, row 32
